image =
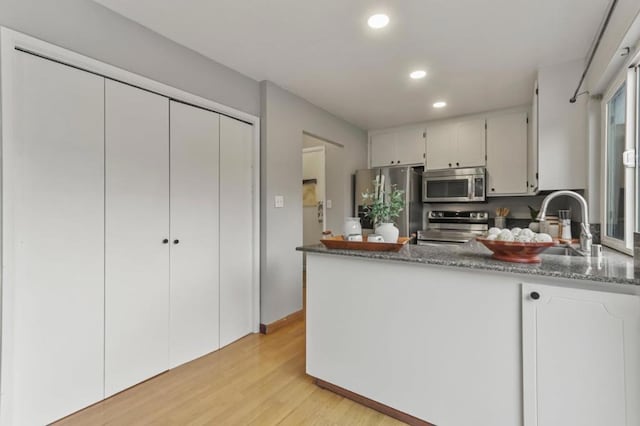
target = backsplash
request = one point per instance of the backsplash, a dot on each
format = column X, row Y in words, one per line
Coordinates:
column 636, row 252
column 518, row 206
column 519, row 215
column 575, row 227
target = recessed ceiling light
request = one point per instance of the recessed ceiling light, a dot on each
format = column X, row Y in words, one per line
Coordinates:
column 378, row 21
column 418, row 74
column 440, row 104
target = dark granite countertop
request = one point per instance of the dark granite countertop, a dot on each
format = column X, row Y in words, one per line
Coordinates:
column 613, row 267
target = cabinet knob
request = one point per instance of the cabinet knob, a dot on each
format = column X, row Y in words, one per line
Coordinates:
column 165, row 241
column 449, row 164
column 457, row 164
column 493, row 189
column 535, row 295
column 176, row 241
column 392, row 162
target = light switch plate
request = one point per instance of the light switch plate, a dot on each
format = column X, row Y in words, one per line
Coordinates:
column 329, row 204
column 278, row 201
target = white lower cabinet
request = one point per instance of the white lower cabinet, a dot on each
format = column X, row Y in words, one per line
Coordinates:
column 137, row 221
column 581, row 352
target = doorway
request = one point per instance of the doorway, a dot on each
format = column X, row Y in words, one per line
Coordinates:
column 313, row 194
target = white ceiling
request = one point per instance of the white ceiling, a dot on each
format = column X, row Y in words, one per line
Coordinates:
column 479, row 54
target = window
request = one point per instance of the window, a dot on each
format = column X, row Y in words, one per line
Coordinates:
column 619, row 179
column 615, row 146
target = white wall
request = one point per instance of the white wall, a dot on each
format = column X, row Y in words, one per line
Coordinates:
column 95, row 31
column 285, row 117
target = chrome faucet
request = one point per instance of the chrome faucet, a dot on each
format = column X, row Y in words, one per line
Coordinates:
column 585, row 233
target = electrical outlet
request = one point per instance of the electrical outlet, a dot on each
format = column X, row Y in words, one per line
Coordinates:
column 278, row 201
column 329, row 204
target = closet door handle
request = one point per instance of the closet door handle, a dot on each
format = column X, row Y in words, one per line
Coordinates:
column 176, row 241
column 165, row 241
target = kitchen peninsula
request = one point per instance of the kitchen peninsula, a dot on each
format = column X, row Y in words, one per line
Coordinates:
column 448, row 336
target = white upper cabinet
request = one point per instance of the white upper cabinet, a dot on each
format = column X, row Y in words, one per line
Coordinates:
column 440, row 146
column 471, row 150
column 397, row 147
column 410, row 146
column 507, row 154
column 456, row 145
column 562, row 129
column 580, row 357
column 532, row 145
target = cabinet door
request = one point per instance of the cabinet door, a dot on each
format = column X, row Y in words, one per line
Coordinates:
column 581, row 355
column 236, row 230
column 532, row 145
column 410, row 146
column 137, row 221
column 440, row 147
column 471, row 143
column 195, row 146
column 53, row 241
column 383, row 150
column 562, row 129
column 507, row 154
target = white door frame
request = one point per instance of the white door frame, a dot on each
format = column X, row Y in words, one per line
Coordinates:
column 324, row 178
column 11, row 41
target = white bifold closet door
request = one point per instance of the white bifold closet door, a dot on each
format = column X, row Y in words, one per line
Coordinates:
column 236, row 229
column 137, row 236
column 195, row 150
column 53, row 241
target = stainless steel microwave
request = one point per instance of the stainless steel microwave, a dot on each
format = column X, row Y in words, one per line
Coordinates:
column 454, row 185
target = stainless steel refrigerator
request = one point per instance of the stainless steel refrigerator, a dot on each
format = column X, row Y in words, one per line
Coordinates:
column 408, row 179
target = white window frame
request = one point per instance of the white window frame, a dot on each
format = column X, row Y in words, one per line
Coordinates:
column 626, row 76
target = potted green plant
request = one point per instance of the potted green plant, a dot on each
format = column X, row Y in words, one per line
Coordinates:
column 384, row 206
column 534, row 225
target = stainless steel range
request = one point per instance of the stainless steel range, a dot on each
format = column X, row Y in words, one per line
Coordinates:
column 453, row 227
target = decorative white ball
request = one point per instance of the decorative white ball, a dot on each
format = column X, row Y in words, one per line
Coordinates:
column 527, row 233
column 543, row 238
column 493, row 231
column 505, row 235
column 516, row 231
column 492, row 237
column 522, row 238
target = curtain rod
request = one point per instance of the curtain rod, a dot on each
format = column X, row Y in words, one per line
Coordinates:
column 595, row 48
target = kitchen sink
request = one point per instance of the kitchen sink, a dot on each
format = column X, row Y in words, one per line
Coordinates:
column 563, row 251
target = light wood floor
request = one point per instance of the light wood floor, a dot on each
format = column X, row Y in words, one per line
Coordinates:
column 259, row 380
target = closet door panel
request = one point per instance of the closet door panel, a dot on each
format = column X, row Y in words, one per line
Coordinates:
column 195, row 150
column 53, row 241
column 137, row 221
column 236, row 219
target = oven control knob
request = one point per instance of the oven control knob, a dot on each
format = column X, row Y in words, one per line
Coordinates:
column 440, row 214
column 474, row 215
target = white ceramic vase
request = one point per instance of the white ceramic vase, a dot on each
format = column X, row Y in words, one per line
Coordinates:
column 388, row 231
column 352, row 226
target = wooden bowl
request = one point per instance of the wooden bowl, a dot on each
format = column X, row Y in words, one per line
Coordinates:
column 340, row 243
column 509, row 251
